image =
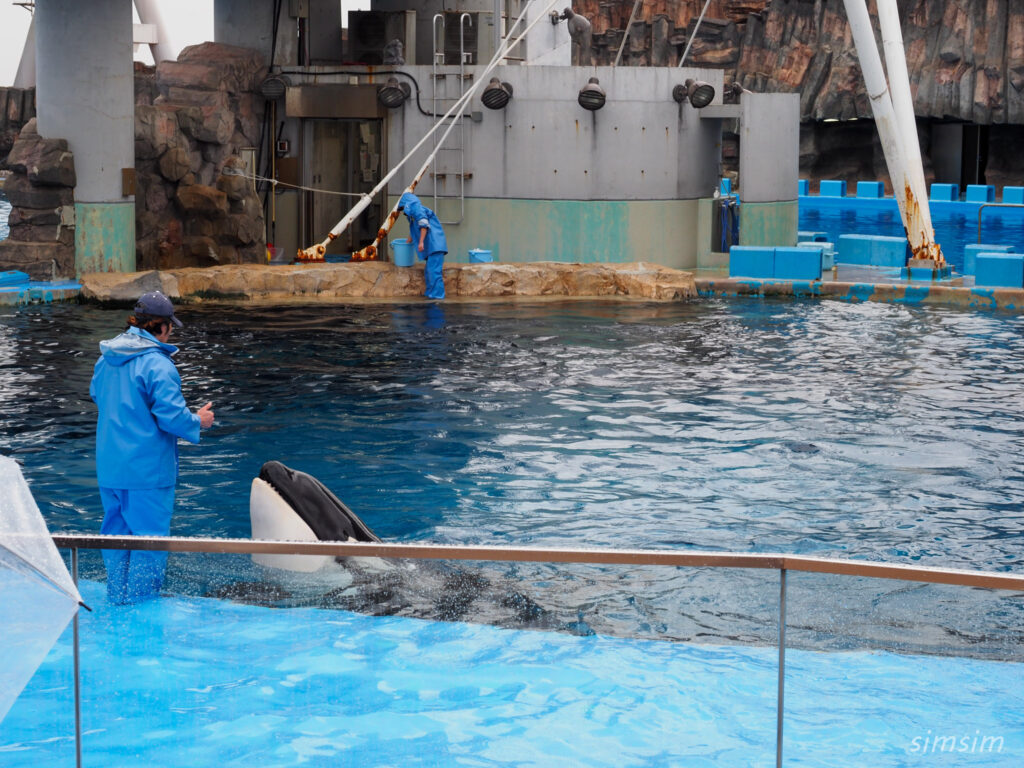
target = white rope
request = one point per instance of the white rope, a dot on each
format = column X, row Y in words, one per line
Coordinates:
column 694, row 35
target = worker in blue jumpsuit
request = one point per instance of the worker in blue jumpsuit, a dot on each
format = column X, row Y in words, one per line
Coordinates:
column 425, row 230
column 142, row 414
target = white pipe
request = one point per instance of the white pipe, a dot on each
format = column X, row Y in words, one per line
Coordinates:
column 367, row 198
column 881, row 104
column 150, row 13
column 694, row 35
column 919, row 214
column 26, row 75
column 625, row 37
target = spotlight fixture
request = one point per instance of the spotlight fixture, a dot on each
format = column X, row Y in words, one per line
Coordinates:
column 393, row 93
column 591, row 95
column 496, row 94
column 697, row 92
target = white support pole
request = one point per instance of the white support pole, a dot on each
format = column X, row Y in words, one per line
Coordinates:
column 150, row 13
column 919, row 214
column 26, row 75
column 881, row 104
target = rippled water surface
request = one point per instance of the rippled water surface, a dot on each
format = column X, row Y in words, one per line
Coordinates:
column 871, row 431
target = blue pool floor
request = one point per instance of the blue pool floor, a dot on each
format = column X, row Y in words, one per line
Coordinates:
column 193, row 681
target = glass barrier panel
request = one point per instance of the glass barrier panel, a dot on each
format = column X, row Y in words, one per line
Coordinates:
column 889, row 673
column 414, row 662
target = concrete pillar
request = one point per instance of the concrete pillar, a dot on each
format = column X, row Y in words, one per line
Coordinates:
column 85, row 93
column 152, row 12
column 250, row 24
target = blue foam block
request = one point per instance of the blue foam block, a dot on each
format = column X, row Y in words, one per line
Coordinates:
column 873, row 250
column 828, row 252
column 798, row 263
column 945, row 192
column 980, row 193
column 751, row 261
column 1000, row 270
column 1013, row 195
column 873, row 189
column 832, row 188
column 972, row 250
column 803, row 187
column 13, row 277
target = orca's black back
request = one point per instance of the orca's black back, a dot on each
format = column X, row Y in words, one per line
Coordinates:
column 325, row 514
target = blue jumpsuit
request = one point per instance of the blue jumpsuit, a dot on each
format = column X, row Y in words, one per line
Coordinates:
column 434, row 247
column 142, row 414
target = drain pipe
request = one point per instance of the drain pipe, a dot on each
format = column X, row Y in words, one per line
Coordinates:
column 919, row 218
column 885, row 115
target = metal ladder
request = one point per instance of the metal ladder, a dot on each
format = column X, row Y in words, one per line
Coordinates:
column 449, row 158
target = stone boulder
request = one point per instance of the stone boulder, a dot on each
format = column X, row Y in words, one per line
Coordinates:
column 46, row 162
column 212, row 67
column 156, row 130
column 199, row 200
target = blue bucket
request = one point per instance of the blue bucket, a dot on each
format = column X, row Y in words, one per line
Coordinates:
column 479, row 256
column 404, row 253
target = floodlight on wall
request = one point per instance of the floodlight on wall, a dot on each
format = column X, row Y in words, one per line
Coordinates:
column 273, row 87
column 496, row 94
column 591, row 95
column 697, row 92
column 393, row 93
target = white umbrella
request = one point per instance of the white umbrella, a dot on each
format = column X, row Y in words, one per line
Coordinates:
column 38, row 597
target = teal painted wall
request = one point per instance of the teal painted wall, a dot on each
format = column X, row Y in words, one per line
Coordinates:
column 769, row 223
column 104, row 237
column 658, row 231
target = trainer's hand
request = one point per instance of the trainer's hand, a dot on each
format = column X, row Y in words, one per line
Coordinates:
column 205, row 415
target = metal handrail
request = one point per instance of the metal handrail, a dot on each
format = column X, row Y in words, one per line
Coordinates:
column 983, row 206
column 696, row 559
column 685, row 558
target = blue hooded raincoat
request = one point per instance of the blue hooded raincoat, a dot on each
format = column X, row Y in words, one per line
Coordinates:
column 434, row 247
column 142, row 413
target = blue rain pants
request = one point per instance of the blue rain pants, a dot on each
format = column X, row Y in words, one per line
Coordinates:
column 432, row 273
column 134, row 576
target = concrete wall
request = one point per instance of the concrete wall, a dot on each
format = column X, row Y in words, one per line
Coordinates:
column 658, row 231
column 640, row 146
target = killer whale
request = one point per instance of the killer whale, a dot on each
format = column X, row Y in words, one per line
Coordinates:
column 289, row 505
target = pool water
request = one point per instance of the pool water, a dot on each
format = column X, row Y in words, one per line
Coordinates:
column 873, row 431
column 215, row 683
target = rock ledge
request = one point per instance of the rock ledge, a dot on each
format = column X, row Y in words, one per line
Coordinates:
column 376, row 280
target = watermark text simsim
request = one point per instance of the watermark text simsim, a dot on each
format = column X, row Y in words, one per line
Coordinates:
column 967, row 744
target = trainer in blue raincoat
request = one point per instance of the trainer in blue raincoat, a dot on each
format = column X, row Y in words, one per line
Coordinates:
column 425, row 230
column 142, row 413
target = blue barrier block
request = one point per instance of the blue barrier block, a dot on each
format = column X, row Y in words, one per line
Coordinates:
column 873, row 189
column 980, row 193
column 725, row 187
column 1000, row 270
column 803, row 187
column 809, row 235
column 832, row 188
column 12, row 278
column 751, row 261
column 972, row 250
column 945, row 192
column 1013, row 195
column 798, row 263
column 828, row 251
column 873, row 250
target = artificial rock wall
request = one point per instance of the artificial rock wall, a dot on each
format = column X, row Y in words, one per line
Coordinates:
column 194, row 118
